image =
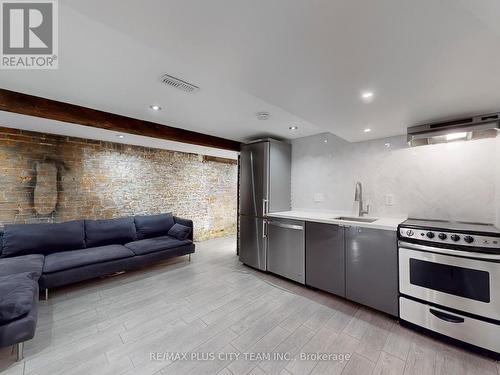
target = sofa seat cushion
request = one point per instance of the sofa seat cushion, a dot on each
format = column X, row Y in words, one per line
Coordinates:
column 151, row 245
column 16, row 296
column 31, row 264
column 78, row 258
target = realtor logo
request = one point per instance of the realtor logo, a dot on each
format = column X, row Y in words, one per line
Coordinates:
column 29, row 34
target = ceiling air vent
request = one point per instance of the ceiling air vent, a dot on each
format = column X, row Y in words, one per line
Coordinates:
column 178, row 83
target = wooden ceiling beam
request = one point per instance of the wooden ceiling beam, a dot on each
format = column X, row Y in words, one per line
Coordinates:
column 30, row 105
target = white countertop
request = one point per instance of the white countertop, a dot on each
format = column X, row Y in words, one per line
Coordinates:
column 385, row 223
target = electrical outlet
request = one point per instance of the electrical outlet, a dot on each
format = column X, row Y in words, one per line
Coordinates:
column 389, row 199
column 319, row 197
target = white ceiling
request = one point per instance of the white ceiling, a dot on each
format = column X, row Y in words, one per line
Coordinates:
column 16, row 121
column 304, row 61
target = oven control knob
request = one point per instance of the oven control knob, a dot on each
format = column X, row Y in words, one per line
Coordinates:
column 430, row 234
column 442, row 236
column 455, row 237
column 469, row 239
column 409, row 233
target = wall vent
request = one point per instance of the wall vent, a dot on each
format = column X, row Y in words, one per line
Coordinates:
column 178, row 83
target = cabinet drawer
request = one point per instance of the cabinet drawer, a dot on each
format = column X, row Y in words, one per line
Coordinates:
column 473, row 331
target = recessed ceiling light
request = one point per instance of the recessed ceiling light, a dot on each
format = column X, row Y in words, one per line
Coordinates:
column 387, row 145
column 325, row 140
column 367, row 130
column 367, row 96
column 263, row 115
column 155, row 107
column 120, row 136
column 293, row 127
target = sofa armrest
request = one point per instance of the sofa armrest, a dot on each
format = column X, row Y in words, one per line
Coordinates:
column 187, row 223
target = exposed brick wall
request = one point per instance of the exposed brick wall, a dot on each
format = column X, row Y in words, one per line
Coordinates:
column 103, row 180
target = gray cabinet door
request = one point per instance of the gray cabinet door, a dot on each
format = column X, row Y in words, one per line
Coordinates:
column 325, row 260
column 285, row 243
column 280, row 169
column 372, row 268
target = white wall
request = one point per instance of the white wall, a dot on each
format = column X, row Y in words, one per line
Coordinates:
column 457, row 181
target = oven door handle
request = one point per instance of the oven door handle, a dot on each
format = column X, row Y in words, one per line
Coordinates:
column 440, row 250
column 446, row 317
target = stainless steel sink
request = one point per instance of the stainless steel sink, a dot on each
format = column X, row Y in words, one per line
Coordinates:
column 354, row 218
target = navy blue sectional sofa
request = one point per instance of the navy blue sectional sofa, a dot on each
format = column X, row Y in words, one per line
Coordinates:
column 45, row 256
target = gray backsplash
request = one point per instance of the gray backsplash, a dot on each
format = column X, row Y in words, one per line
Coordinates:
column 457, row 181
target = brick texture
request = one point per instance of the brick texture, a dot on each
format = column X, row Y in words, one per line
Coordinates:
column 99, row 180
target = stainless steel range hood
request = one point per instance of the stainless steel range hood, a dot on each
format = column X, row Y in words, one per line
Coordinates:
column 463, row 129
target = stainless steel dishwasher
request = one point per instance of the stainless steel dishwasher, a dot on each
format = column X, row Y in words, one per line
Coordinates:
column 286, row 248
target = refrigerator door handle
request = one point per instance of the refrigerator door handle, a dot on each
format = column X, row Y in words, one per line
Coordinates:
column 264, row 228
column 264, row 206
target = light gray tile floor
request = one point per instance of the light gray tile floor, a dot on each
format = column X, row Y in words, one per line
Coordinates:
column 231, row 318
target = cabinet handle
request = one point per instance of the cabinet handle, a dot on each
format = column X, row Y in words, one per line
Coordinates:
column 286, row 226
column 412, row 246
column 446, row 317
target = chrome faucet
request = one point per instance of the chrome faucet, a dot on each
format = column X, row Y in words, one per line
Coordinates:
column 358, row 197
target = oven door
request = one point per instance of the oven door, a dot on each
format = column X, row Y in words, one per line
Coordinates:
column 461, row 283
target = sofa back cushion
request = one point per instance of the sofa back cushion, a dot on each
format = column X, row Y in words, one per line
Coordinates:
column 23, row 239
column 109, row 232
column 153, row 225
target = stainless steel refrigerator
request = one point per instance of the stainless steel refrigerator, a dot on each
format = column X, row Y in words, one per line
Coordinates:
column 265, row 184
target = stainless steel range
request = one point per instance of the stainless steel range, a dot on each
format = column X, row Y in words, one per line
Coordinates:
column 449, row 279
